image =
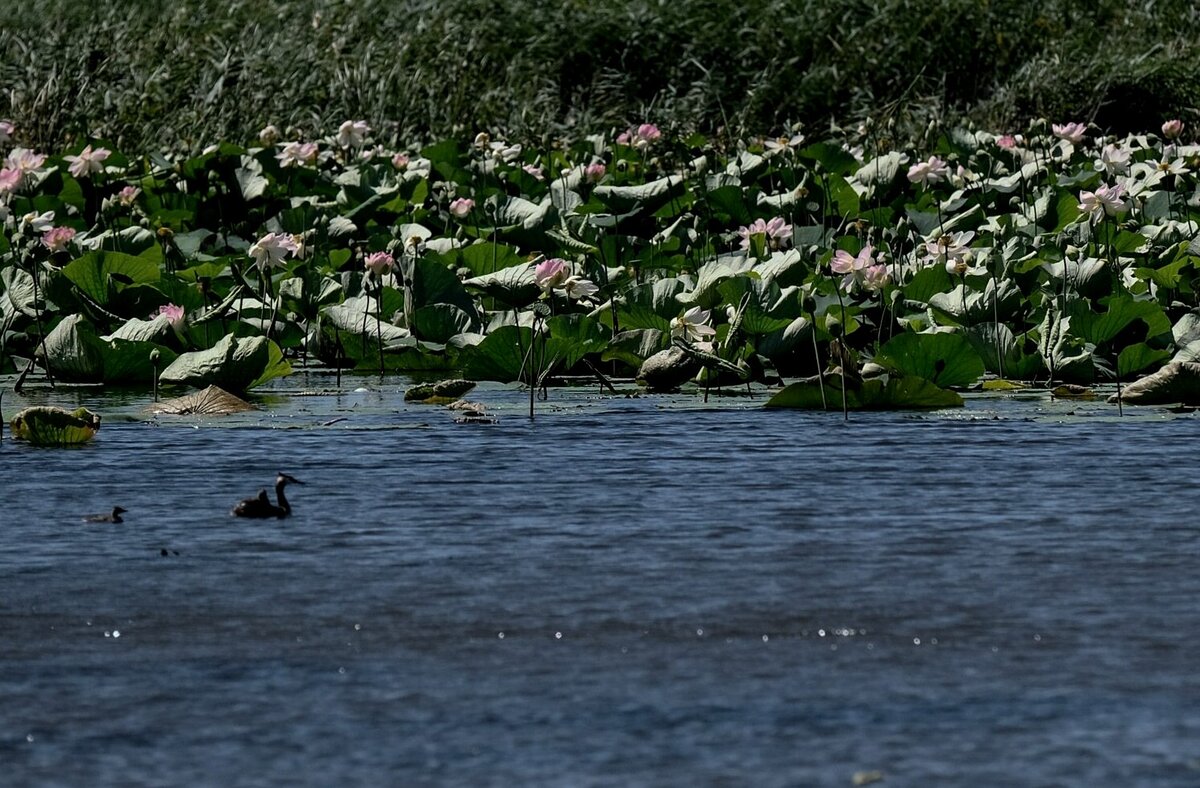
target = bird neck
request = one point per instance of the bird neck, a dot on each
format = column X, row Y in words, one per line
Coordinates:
column 283, row 502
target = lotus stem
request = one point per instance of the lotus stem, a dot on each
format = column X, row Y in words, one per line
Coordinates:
column 820, row 368
column 41, row 332
column 154, row 356
column 379, row 320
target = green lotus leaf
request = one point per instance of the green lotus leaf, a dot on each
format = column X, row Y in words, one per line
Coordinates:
column 643, row 198
column 778, row 344
column 942, row 358
column 1002, row 353
column 729, row 202
column 881, row 170
column 233, row 364
column 1066, row 356
column 488, row 257
column 712, row 274
column 927, row 283
column 100, row 275
column 53, row 426
column 434, row 283
column 128, row 361
column 1138, row 357
column 439, row 322
column 513, row 286
column 18, row 292
column 635, row 346
column 980, row 305
column 136, row 330
column 500, row 355
column 1100, row 327
column 75, row 352
column 569, row 338
column 650, row 305
column 783, row 268
column 833, row 158
column 889, row 393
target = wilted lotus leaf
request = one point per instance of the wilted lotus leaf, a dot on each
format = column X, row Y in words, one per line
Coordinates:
column 53, row 426
column 212, row 401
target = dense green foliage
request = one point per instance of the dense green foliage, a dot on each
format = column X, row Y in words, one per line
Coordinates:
column 192, row 72
column 1057, row 255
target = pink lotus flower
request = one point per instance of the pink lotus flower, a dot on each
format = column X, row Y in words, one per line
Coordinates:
column 271, row 250
column 400, row 161
column 128, row 196
column 595, row 172
column 87, row 162
column 10, row 180
column 174, row 314
column 1071, row 132
column 875, row 277
column 56, row 239
column 24, row 160
column 929, row 172
column 551, row 273
column 352, row 133
column 1172, row 129
column 1105, row 200
column 379, row 263
column 537, row 172
column 1007, row 142
column 777, row 232
column 6, row 131
column 640, row 137
column 853, row 267
column 297, row 154
column 461, row 207
column 693, row 325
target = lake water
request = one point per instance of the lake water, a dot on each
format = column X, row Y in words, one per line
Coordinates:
column 627, row 591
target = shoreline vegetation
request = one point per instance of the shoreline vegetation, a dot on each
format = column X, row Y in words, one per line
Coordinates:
column 204, row 193
column 879, row 277
column 159, row 76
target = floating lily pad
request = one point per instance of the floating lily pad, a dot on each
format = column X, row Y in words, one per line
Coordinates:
column 53, row 426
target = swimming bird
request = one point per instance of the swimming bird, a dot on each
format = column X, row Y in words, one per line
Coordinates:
column 114, row 517
column 262, row 507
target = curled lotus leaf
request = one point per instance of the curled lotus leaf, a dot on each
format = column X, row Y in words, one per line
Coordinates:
column 53, row 426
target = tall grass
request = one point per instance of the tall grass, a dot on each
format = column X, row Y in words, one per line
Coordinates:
column 184, row 73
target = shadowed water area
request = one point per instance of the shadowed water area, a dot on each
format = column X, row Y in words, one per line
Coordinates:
column 626, row 591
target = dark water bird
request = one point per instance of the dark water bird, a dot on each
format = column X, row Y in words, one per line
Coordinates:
column 262, row 506
column 113, row 517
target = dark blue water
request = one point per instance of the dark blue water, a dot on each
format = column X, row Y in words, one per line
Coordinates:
column 620, row 593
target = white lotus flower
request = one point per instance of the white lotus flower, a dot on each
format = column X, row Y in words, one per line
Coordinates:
column 693, row 326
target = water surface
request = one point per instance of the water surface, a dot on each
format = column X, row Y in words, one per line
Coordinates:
column 625, row 591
